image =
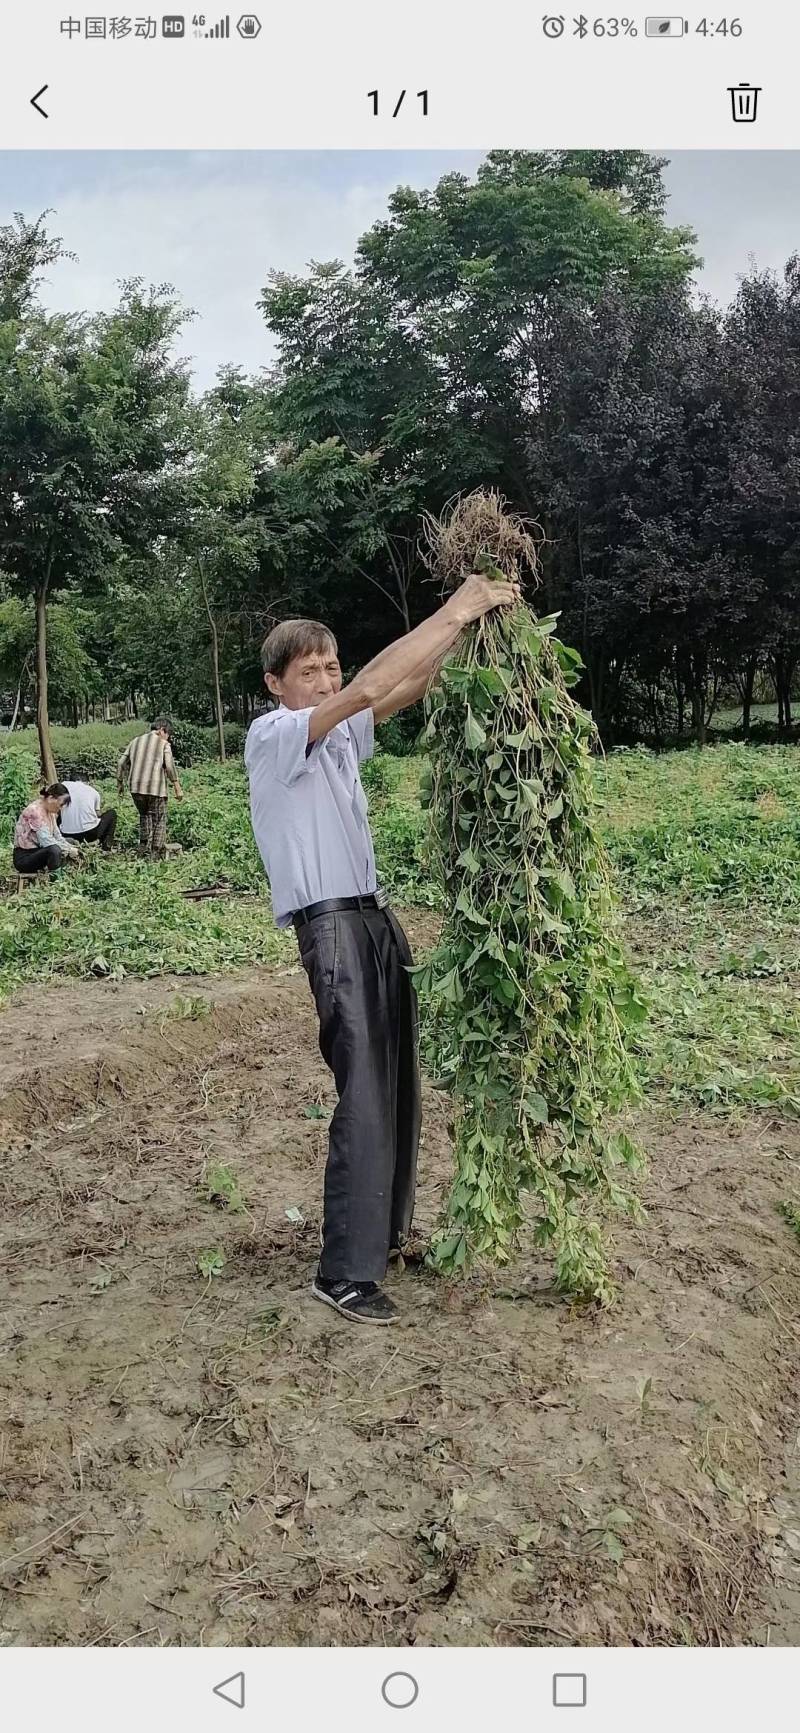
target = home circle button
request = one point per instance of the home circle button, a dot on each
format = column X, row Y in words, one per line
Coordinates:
column 400, row 1690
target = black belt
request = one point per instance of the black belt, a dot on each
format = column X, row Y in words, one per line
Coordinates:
column 339, row 905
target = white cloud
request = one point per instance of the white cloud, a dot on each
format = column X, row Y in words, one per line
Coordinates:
column 214, row 223
column 213, row 226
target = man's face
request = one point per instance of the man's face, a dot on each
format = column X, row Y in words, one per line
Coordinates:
column 306, row 681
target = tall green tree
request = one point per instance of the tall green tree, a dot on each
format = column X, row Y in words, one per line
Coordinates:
column 762, row 370
column 437, row 361
column 93, row 435
column 222, row 535
column 16, row 651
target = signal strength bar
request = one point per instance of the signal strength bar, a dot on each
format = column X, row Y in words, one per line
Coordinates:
column 220, row 30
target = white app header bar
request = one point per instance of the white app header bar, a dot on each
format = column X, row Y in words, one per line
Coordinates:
column 429, row 75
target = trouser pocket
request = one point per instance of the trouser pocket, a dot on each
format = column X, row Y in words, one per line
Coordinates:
column 319, row 944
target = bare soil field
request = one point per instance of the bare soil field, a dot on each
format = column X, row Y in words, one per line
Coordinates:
column 224, row 1461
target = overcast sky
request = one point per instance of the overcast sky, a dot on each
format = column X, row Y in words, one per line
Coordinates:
column 214, row 224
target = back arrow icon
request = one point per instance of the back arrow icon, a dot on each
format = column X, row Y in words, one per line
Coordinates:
column 35, row 102
column 231, row 1690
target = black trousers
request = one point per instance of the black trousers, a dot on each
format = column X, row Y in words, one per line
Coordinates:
column 102, row 831
column 369, row 1037
column 38, row 860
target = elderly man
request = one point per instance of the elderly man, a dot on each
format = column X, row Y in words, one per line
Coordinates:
column 148, row 765
column 310, row 822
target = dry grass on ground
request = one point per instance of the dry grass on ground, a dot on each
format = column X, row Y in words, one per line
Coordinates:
column 220, row 1461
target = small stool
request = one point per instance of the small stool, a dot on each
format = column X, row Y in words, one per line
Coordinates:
column 25, row 879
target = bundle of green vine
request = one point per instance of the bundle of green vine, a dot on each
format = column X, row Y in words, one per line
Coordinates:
column 530, row 1002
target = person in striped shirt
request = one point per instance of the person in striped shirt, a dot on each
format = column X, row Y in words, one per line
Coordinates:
column 148, row 766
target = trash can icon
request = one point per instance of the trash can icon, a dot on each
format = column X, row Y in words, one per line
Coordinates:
column 744, row 100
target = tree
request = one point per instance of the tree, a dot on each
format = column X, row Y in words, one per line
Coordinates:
column 186, row 611
column 221, row 534
column 359, row 524
column 437, row 361
column 479, row 272
column 532, row 329
column 633, row 468
column 159, row 648
column 92, row 436
column 762, row 362
column 360, row 428
column 16, row 650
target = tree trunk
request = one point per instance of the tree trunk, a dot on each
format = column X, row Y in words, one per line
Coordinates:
column 699, row 672
column 596, row 667
column 680, row 697
column 612, row 687
column 402, row 581
column 42, row 713
column 18, row 700
column 654, row 694
column 748, row 684
column 711, row 707
column 783, row 669
column 215, row 665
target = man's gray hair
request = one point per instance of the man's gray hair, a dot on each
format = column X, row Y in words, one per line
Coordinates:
column 295, row 638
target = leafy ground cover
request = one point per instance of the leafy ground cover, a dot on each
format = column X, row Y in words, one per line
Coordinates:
column 120, row 916
column 195, row 1454
column 707, row 851
column 705, row 847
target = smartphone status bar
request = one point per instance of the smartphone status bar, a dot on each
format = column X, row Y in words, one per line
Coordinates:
column 358, row 77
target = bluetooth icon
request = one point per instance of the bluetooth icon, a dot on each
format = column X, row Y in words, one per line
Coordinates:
column 581, row 27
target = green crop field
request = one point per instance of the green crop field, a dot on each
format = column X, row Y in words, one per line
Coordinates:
column 706, row 848
column 167, row 1141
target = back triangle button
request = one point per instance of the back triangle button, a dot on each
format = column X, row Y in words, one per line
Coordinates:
column 232, row 1690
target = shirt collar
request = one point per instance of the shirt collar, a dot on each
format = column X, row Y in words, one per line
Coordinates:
column 341, row 728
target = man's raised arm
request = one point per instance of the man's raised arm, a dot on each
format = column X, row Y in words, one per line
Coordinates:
column 412, row 658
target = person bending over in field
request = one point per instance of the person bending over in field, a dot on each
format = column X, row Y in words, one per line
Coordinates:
column 81, row 820
column 38, row 844
column 309, row 817
column 148, row 765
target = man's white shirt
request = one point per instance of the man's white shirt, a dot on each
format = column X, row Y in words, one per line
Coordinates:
column 83, row 811
column 309, row 810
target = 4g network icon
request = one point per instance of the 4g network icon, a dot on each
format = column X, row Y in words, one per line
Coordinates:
column 173, row 26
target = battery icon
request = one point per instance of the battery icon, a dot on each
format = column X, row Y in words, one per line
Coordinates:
column 663, row 27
